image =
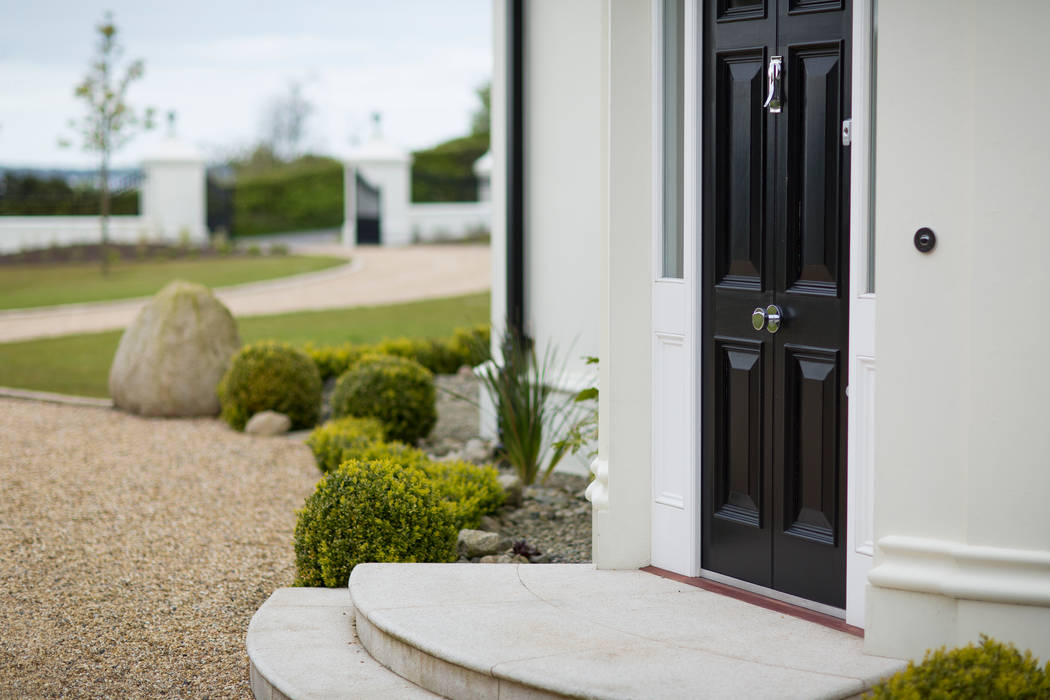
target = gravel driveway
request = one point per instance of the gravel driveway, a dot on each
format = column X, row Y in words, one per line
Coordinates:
column 133, row 552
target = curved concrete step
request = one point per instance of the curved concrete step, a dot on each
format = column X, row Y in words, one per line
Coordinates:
column 504, row 631
column 302, row 646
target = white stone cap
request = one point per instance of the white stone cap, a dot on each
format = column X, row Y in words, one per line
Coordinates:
column 483, row 165
column 377, row 150
column 172, row 150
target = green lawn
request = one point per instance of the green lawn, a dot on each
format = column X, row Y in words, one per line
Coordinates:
column 44, row 285
column 79, row 364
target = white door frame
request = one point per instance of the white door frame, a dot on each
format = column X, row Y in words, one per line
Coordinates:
column 676, row 356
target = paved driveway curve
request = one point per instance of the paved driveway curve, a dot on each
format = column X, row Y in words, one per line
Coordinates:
column 373, row 276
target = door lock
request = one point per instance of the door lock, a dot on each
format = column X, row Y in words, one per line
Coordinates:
column 771, row 318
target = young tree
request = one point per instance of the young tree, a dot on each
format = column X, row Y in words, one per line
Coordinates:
column 109, row 122
column 285, row 122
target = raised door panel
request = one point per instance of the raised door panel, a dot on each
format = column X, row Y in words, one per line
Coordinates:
column 739, row 431
column 811, row 444
column 814, row 169
column 740, row 164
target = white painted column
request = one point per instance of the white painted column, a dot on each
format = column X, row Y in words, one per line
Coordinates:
column 174, row 192
column 483, row 171
column 622, row 492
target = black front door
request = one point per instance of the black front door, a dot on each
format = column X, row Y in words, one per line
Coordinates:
column 775, row 230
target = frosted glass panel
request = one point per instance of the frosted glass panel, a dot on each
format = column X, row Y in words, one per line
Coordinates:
column 673, row 62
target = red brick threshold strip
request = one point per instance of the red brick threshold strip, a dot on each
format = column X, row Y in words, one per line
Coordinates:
column 759, row 600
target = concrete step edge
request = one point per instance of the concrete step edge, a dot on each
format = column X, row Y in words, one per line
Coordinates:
column 438, row 675
column 302, row 645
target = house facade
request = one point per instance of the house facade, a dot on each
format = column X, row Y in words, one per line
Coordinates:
column 806, row 240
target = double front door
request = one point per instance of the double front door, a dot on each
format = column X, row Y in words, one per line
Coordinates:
column 775, row 229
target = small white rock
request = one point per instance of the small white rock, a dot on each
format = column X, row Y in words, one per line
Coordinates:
column 476, row 450
column 268, row 423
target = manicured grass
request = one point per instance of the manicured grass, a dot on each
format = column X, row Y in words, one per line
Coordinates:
column 79, row 364
column 24, row 286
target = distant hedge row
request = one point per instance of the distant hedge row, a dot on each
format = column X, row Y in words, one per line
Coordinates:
column 32, row 195
column 301, row 197
column 445, row 173
column 308, row 193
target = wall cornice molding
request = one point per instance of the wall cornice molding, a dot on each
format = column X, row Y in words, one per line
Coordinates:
column 957, row 570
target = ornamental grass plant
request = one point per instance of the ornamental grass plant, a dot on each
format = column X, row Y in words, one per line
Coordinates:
column 534, row 416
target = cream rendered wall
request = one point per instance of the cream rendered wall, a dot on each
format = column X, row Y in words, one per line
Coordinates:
column 962, row 480
column 563, row 80
column 563, row 70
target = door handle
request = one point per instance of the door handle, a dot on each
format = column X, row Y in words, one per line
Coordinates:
column 771, row 318
column 773, row 101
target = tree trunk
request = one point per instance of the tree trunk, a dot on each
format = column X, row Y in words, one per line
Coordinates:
column 104, row 214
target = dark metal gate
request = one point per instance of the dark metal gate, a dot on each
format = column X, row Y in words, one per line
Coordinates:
column 220, row 205
column 367, row 198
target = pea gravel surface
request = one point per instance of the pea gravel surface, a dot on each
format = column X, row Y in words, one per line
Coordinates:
column 134, row 551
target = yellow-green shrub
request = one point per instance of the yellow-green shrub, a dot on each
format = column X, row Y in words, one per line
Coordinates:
column 270, row 376
column 471, row 345
column 471, row 491
column 339, row 440
column 467, row 346
column 397, row 391
column 375, row 511
column 990, row 671
column 333, row 360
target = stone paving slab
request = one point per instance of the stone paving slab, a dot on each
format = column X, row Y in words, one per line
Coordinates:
column 569, row 630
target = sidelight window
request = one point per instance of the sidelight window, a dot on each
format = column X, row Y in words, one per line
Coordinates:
column 672, row 105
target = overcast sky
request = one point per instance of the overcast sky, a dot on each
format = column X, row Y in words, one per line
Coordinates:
column 218, row 63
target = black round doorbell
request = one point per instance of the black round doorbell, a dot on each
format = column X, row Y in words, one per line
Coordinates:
column 925, row 239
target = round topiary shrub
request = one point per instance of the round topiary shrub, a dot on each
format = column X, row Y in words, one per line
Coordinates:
column 374, row 511
column 469, row 490
column 271, row 376
column 396, row 390
column 992, row 670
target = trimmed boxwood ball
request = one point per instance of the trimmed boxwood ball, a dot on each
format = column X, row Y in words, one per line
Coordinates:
column 397, row 391
column 990, row 671
column 370, row 511
column 271, row 376
column 469, row 490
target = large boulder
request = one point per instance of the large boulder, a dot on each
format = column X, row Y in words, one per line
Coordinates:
column 172, row 356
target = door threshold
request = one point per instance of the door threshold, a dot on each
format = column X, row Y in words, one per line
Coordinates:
column 767, row 598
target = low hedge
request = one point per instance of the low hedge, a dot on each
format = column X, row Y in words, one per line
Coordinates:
column 297, row 197
column 270, row 376
column 466, row 346
column 397, row 391
column 990, row 671
column 470, row 491
column 372, row 511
